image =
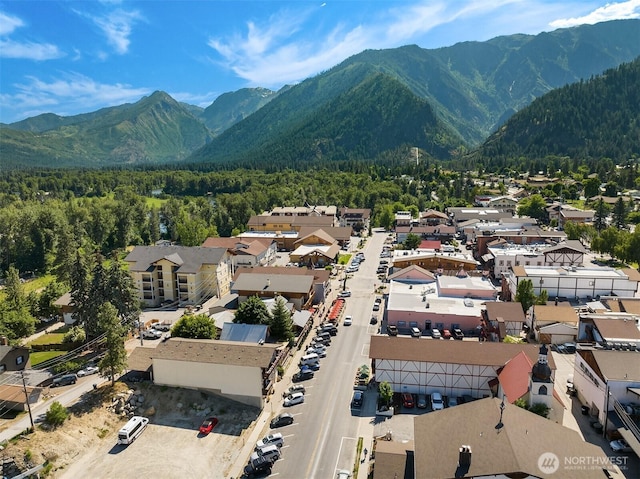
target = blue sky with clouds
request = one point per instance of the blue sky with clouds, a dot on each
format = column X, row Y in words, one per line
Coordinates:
column 69, row 57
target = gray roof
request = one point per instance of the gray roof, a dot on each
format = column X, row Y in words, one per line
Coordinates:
column 189, row 259
column 278, row 283
column 245, row 333
column 575, row 245
column 216, row 352
column 514, row 448
column 618, row 365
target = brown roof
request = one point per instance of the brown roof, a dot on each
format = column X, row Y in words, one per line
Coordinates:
column 618, row 365
column 550, row 313
column 213, row 351
column 514, row 448
column 632, row 273
column 319, row 233
column 453, row 352
column 629, row 305
column 510, row 311
column 340, row 233
column 252, row 246
column 15, row 393
column 614, row 329
column 319, row 275
column 519, row 271
column 140, row 359
column 394, row 460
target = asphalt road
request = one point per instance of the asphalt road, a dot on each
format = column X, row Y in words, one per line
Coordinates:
column 324, row 435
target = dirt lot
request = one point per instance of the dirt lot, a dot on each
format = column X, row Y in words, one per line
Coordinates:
column 85, row 446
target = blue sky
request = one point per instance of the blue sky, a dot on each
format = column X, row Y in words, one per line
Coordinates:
column 69, row 57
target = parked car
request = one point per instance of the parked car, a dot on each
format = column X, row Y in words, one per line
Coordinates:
column 373, row 320
column 272, row 453
column 64, row 380
column 392, row 330
column 261, row 465
column 348, row 320
column 436, row 401
column 321, row 352
column 378, row 300
column 343, row 474
column 422, row 401
column 283, row 419
column 452, row 401
column 275, row 438
column 151, row 334
column 321, row 340
column 435, row 333
column 302, row 376
column 620, row 445
column 87, row 371
column 296, row 388
column 376, row 307
column 162, row 327
column 569, row 348
column 208, row 424
column 416, row 333
column 458, row 334
column 293, row 399
column 446, row 334
column 407, row 400
column 345, row 294
column 356, row 401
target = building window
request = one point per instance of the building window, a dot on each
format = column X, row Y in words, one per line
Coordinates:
column 542, row 391
column 402, row 324
column 19, row 359
column 3, row 368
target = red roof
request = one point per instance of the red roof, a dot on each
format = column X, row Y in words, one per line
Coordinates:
column 514, row 377
column 429, row 244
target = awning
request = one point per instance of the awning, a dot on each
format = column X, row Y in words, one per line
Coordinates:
column 631, row 439
column 635, row 391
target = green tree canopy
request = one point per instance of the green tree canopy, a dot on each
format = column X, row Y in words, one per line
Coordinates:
column 198, row 326
column 412, row 241
column 115, row 360
column 252, row 311
column 534, row 206
column 281, row 324
column 525, row 294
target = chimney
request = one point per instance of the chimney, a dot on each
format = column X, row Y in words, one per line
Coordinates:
column 465, row 456
column 4, row 341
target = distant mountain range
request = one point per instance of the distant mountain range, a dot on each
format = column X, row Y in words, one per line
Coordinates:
column 367, row 107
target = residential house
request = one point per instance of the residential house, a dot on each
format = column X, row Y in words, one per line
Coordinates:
column 297, row 289
column 504, row 203
column 317, row 249
column 339, row 234
column 403, row 218
column 180, row 274
column 554, row 323
column 236, row 370
column 433, row 217
column 13, row 358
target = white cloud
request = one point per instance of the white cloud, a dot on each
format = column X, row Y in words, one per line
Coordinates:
column 29, row 50
column 9, row 23
column 611, row 11
column 73, row 92
column 117, row 26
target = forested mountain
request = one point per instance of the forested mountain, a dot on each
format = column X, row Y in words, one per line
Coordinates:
column 598, row 118
column 230, row 108
column 469, row 88
column 157, row 129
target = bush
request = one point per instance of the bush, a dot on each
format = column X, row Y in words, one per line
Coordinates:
column 75, row 335
column 68, row 366
column 57, row 414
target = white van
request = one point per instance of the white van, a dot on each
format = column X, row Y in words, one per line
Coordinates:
column 132, row 429
column 447, row 248
column 309, row 359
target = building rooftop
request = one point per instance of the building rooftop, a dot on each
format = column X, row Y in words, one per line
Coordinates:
column 617, row 365
column 562, row 313
column 513, row 450
column 188, row 259
column 483, row 353
column 277, row 283
column 410, row 297
column 615, row 329
column 216, row 352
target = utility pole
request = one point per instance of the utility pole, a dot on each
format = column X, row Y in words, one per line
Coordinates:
column 26, row 396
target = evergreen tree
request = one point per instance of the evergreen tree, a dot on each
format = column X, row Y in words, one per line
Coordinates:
column 16, row 298
column 525, row 294
column 620, row 214
column 600, row 216
column 115, row 360
column 412, row 241
column 252, row 311
column 281, row 323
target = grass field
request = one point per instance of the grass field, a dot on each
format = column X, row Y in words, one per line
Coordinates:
column 42, row 356
column 51, row 338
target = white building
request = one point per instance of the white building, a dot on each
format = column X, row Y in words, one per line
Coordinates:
column 239, row 371
column 575, row 282
column 452, row 368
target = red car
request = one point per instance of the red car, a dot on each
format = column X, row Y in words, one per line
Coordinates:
column 446, row 334
column 208, row 424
